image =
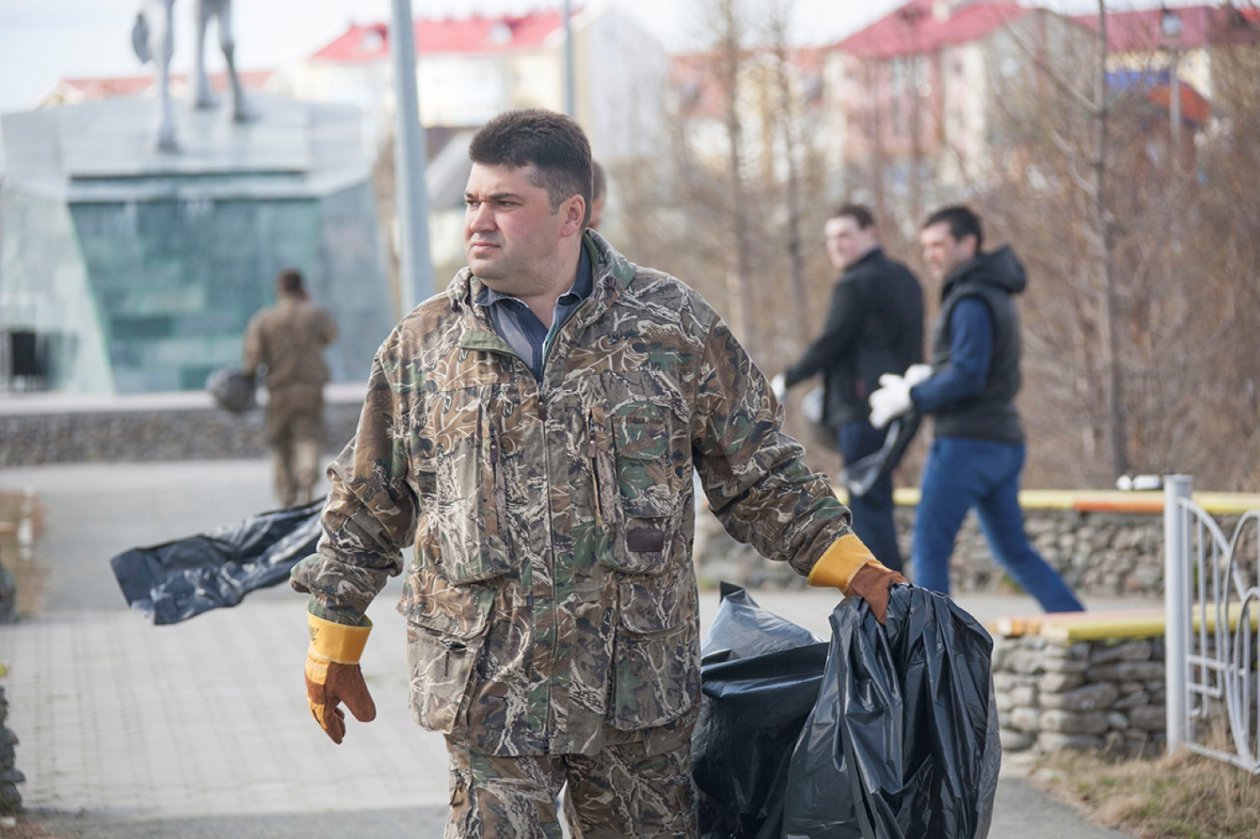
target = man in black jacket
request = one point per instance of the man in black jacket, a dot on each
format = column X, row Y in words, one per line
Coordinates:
column 874, row 326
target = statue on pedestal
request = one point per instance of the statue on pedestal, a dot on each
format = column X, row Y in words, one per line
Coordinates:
column 153, row 39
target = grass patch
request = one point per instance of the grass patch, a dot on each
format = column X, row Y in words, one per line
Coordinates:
column 1185, row 795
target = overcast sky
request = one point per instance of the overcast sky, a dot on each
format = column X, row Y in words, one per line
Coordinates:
column 42, row 41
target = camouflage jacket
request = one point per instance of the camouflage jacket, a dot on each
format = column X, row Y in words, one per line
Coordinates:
column 552, row 604
column 289, row 340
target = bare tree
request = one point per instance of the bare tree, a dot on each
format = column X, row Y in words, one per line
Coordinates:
column 729, row 57
column 788, row 125
column 1134, row 322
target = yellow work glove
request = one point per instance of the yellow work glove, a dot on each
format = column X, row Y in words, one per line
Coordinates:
column 851, row 567
column 333, row 675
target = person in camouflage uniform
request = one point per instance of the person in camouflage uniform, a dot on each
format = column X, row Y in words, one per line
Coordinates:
column 542, row 469
column 288, row 340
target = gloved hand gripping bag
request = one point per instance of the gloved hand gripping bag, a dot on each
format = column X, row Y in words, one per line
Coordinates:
column 903, row 738
column 885, row 732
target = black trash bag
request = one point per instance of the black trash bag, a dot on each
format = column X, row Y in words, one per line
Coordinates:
column 742, row 629
column 860, row 475
column 761, row 675
column 233, row 389
column 903, row 741
column 176, row 580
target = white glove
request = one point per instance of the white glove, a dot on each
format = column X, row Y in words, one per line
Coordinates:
column 917, row 373
column 891, row 400
column 779, row 385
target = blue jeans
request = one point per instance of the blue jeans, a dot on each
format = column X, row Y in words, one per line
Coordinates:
column 961, row 474
column 873, row 512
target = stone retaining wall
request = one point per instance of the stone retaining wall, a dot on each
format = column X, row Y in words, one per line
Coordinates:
column 195, row 430
column 1082, row 695
column 1103, row 554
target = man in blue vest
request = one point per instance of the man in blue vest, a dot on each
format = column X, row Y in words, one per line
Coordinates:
column 978, row 451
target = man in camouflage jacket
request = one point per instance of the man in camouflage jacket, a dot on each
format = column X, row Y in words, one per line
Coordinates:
column 546, row 485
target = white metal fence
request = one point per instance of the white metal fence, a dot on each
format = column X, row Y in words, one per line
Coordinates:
column 1212, row 601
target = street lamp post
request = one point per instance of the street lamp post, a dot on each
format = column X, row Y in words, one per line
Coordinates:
column 415, row 264
column 1170, row 27
column 568, row 58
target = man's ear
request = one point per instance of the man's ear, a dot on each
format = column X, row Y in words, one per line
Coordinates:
column 574, row 209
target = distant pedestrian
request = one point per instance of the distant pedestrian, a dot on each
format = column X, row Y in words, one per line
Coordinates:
column 978, row 451
column 287, row 341
column 874, row 326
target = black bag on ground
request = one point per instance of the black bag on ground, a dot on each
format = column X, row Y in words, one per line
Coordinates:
column 888, row 732
column 761, row 675
column 176, row 580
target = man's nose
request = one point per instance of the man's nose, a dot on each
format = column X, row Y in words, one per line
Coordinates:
column 480, row 217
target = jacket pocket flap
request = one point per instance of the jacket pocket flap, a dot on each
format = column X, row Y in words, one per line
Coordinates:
column 660, row 604
column 456, row 611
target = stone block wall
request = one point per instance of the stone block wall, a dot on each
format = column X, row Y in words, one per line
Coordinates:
column 1084, row 695
column 1104, row 554
column 165, row 432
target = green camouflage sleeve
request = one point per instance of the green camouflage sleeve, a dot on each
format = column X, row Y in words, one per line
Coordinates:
column 371, row 511
column 753, row 474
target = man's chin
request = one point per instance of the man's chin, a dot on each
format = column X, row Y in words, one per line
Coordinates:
column 485, row 269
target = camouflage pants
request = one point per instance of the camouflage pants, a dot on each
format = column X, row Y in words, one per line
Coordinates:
column 623, row 791
column 295, row 431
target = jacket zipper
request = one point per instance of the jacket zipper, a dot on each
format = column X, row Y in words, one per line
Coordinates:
column 592, row 452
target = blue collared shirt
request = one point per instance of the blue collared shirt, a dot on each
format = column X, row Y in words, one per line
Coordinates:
column 516, row 324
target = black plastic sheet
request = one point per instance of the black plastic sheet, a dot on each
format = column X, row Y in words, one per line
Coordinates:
column 887, row 732
column 177, row 580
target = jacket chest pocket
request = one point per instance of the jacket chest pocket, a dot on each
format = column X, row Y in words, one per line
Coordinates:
column 462, row 487
column 642, row 462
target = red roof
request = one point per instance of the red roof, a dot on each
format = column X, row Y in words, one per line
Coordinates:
column 109, row 87
column 1194, row 108
column 1142, row 31
column 477, row 34
column 913, row 29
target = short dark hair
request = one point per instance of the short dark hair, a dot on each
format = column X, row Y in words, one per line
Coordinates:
column 553, row 143
column 962, row 221
column 858, row 212
column 598, row 182
column 289, row 280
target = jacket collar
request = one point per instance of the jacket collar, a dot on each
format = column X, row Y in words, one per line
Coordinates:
column 611, row 274
column 872, row 255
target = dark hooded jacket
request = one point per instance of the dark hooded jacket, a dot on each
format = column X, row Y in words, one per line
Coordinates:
column 874, row 326
column 994, row 278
